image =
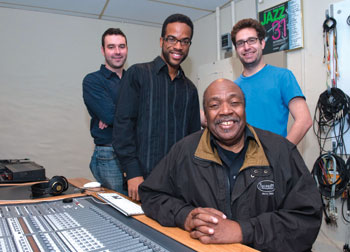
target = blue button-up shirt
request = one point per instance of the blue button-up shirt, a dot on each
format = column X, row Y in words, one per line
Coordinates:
column 100, row 93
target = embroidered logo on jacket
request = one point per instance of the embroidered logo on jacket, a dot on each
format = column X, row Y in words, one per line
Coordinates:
column 267, row 187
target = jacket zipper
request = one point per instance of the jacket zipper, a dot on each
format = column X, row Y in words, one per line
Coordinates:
column 227, row 191
column 228, row 197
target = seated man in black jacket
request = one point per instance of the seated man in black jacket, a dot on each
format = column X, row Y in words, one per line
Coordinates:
column 235, row 183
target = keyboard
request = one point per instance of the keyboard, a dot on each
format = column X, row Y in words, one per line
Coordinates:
column 122, row 204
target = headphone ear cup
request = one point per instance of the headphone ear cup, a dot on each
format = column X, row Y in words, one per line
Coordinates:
column 57, row 185
column 40, row 189
column 65, row 182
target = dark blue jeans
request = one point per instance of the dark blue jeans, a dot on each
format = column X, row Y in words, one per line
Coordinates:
column 105, row 167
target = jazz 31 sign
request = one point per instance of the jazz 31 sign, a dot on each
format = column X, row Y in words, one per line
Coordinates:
column 283, row 25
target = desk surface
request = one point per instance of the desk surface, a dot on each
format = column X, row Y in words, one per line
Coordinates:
column 175, row 233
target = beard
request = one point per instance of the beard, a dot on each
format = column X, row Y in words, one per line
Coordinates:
column 119, row 65
column 166, row 55
column 250, row 65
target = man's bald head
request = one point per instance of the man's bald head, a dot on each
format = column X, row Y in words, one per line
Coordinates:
column 224, row 109
column 221, row 82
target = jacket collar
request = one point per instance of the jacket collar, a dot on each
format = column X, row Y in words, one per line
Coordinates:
column 255, row 155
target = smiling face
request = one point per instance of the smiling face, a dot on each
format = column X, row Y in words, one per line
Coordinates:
column 174, row 54
column 225, row 112
column 250, row 55
column 115, row 52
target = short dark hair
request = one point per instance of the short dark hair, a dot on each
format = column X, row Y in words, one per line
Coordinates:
column 248, row 23
column 112, row 31
column 177, row 18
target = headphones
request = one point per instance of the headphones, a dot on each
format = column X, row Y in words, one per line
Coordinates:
column 56, row 186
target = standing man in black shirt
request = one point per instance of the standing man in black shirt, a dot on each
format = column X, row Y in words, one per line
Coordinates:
column 157, row 105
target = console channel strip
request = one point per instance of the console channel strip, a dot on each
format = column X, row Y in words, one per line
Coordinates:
column 80, row 225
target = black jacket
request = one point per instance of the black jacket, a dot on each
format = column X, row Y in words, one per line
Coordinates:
column 274, row 199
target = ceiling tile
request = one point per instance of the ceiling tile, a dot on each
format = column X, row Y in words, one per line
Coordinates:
column 200, row 4
column 80, row 6
column 146, row 12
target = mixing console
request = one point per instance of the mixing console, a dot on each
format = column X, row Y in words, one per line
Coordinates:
column 79, row 225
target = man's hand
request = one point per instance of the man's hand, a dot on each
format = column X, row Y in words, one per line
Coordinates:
column 133, row 186
column 202, row 216
column 211, row 226
column 102, row 125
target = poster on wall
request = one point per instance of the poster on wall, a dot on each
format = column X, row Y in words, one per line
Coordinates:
column 283, row 25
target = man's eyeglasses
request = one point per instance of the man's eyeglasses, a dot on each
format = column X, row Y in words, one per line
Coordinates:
column 173, row 41
column 249, row 41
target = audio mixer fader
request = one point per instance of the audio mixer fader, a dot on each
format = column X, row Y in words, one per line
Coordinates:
column 83, row 224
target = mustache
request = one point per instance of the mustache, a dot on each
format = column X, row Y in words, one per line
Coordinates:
column 227, row 118
column 175, row 50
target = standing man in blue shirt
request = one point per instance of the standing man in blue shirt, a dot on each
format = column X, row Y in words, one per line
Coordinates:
column 100, row 92
column 271, row 92
column 158, row 105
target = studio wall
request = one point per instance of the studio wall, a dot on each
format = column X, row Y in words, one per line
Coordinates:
column 44, row 58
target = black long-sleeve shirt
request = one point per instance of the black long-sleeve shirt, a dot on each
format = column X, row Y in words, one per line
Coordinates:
column 153, row 112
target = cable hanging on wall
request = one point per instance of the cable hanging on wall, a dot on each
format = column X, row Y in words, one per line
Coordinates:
column 331, row 120
column 332, row 176
column 332, row 110
column 330, row 125
column 330, row 56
